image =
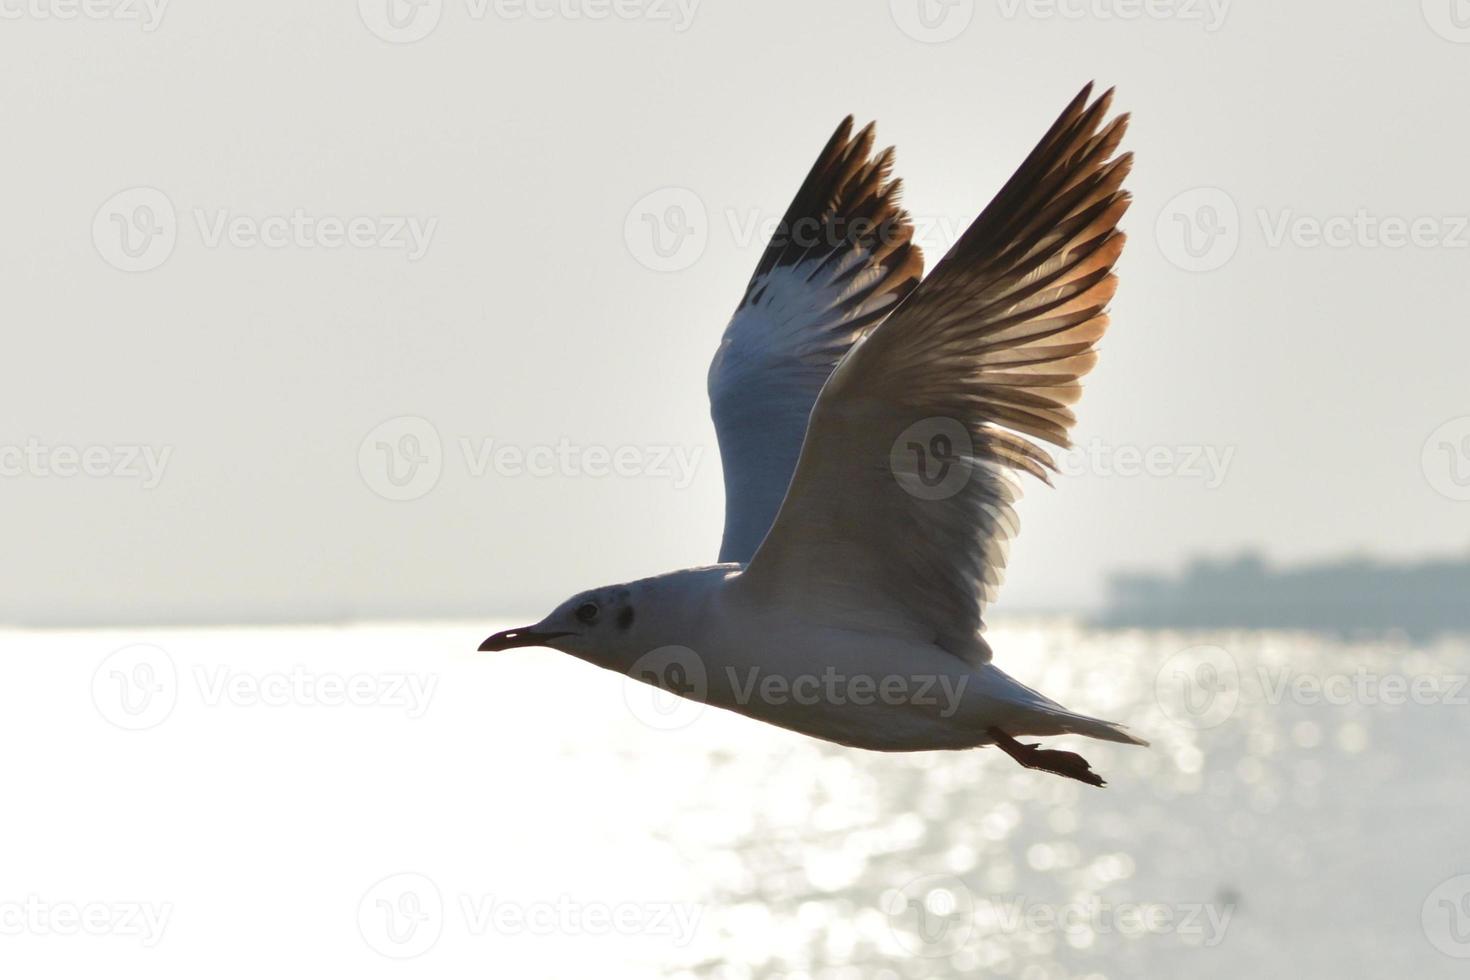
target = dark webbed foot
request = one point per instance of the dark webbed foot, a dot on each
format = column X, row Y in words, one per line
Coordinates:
column 1068, row 764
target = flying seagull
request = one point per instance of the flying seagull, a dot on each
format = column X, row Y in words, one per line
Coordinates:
column 872, row 428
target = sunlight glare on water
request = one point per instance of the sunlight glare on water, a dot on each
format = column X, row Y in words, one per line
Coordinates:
column 531, row 815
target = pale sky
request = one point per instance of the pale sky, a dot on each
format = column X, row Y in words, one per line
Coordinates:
column 238, row 239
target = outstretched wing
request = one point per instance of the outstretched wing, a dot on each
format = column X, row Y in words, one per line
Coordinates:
column 840, row 260
column 900, row 510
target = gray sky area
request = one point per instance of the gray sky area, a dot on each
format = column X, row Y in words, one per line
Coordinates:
column 268, row 266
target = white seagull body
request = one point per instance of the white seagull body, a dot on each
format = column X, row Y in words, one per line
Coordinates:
column 870, row 427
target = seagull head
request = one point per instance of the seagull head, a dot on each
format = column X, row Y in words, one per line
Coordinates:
column 588, row 622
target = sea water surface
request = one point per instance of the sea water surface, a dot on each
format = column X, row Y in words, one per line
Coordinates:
column 382, row 801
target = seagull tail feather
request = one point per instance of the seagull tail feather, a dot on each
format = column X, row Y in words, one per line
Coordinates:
column 1107, row 731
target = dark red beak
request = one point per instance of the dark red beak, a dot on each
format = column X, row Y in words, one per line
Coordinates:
column 522, row 637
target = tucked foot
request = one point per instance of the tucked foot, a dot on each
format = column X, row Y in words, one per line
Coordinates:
column 1068, row 764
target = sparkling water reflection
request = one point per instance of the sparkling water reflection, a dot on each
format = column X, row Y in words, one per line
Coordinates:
column 1301, row 798
column 1301, row 812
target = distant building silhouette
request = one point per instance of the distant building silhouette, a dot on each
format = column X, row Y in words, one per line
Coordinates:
column 1351, row 594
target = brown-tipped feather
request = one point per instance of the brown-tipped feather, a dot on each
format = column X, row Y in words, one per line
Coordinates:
column 997, row 338
column 847, row 206
column 841, row 259
column 1027, row 285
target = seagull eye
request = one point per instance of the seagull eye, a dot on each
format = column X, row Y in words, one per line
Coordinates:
column 587, row 613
